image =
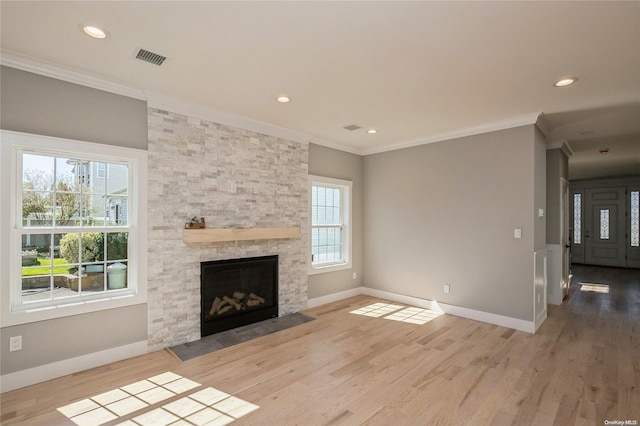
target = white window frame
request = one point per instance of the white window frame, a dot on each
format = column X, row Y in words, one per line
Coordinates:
column 347, row 202
column 13, row 312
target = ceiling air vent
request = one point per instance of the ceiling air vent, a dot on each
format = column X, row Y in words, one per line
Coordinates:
column 152, row 58
column 352, row 127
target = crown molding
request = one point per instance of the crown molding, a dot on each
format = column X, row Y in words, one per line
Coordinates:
column 49, row 69
column 510, row 123
column 156, row 100
column 545, row 127
column 178, row 105
column 337, row 146
column 561, row 145
column 173, row 104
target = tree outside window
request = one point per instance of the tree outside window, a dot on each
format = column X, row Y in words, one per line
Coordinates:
column 71, row 215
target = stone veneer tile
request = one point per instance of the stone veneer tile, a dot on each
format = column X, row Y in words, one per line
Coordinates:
column 232, row 178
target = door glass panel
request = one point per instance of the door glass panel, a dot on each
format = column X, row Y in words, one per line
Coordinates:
column 635, row 218
column 604, row 224
column 577, row 218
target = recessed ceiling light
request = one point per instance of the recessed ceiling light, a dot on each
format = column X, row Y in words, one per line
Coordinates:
column 372, row 131
column 283, row 99
column 565, row 82
column 95, row 32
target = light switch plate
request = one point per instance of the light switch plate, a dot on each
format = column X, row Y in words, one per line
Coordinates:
column 517, row 233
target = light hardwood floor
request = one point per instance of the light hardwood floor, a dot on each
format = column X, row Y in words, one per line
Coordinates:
column 581, row 367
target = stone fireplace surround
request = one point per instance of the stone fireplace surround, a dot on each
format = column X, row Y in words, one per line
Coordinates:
column 233, row 178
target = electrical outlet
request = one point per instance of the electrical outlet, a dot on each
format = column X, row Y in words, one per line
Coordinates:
column 447, row 288
column 15, row 343
column 355, row 275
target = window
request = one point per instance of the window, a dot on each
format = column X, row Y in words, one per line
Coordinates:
column 577, row 218
column 101, row 170
column 635, row 218
column 604, row 224
column 74, row 237
column 330, row 204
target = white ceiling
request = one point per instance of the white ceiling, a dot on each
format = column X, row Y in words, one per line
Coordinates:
column 413, row 70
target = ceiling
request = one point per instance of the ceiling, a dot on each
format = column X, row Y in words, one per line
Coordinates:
column 415, row 71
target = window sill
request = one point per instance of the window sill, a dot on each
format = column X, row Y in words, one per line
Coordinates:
column 313, row 270
column 25, row 314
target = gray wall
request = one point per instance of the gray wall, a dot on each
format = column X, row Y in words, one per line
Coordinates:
column 446, row 212
column 32, row 103
column 63, row 338
column 337, row 164
column 41, row 105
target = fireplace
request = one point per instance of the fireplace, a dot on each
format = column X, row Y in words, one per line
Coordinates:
column 237, row 292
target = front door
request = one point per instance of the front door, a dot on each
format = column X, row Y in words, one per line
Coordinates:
column 604, row 236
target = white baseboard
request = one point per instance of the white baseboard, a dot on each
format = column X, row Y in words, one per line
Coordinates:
column 42, row 373
column 334, row 297
column 401, row 298
column 458, row 311
column 503, row 321
column 540, row 319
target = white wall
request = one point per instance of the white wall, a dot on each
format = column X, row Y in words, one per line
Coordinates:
column 557, row 169
column 539, row 213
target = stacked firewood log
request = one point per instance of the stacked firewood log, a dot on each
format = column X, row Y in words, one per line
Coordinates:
column 238, row 301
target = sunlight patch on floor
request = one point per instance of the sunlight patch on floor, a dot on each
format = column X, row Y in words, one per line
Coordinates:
column 207, row 406
column 377, row 310
column 414, row 315
column 598, row 288
column 398, row 313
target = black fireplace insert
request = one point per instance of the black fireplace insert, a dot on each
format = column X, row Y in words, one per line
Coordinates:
column 237, row 292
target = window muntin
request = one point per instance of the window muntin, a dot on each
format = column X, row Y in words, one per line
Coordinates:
column 330, row 201
column 74, row 231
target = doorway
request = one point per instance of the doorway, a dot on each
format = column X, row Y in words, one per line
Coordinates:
column 605, row 223
column 604, row 239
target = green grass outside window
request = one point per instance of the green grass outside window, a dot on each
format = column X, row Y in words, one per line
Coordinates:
column 45, row 267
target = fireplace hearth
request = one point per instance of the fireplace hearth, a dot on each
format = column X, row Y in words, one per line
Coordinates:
column 237, row 292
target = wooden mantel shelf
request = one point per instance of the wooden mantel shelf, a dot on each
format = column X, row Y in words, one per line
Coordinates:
column 213, row 235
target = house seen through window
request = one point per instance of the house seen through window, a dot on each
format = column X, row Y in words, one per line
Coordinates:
column 74, row 226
